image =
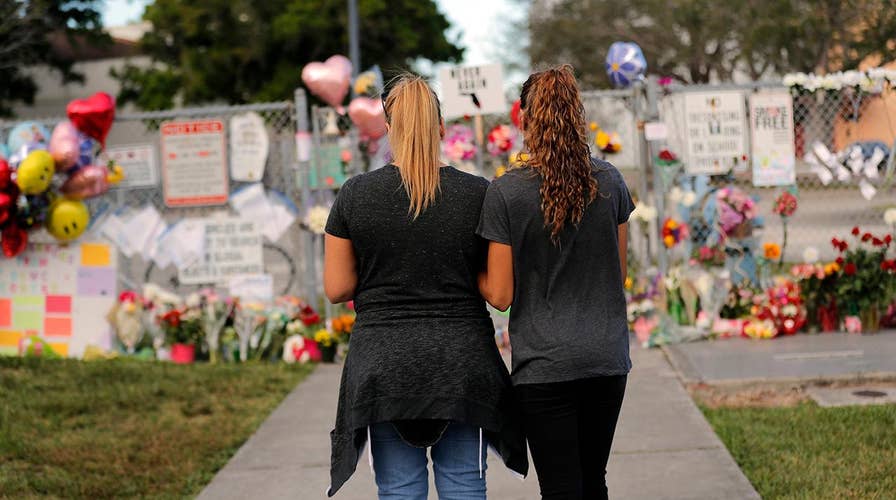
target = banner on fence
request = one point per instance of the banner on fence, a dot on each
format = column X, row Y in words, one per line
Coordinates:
column 194, row 163
column 772, row 147
column 715, row 131
column 60, row 294
column 139, row 164
column 233, row 247
column 472, row 90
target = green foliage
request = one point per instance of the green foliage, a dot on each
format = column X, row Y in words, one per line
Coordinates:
column 243, row 51
column 26, row 29
column 125, row 428
column 812, row 452
column 696, row 40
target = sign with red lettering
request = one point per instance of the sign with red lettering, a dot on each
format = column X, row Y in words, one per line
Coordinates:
column 194, row 163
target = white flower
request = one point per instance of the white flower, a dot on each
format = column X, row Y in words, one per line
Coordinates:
column 703, row 284
column 643, row 212
column 810, row 255
column 890, row 216
column 689, row 199
column 316, row 220
column 831, row 82
column 193, row 300
column 675, row 195
column 794, row 79
column 295, row 341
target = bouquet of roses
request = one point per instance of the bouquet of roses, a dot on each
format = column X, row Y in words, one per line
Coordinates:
column 736, row 211
column 783, row 307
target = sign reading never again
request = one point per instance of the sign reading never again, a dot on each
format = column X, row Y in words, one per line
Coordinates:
column 233, row 247
column 472, row 90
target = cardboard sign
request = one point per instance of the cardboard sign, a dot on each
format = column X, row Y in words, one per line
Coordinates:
column 139, row 164
column 233, row 247
column 59, row 293
column 772, row 154
column 194, row 163
column 472, row 90
column 248, row 147
column 715, row 131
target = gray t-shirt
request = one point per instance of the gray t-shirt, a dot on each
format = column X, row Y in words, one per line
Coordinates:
column 568, row 319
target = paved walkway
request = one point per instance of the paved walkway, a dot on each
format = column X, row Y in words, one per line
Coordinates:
column 664, row 449
column 795, row 358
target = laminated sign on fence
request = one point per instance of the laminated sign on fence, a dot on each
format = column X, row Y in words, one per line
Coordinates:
column 772, row 155
column 194, row 163
column 233, row 247
column 139, row 164
column 715, row 131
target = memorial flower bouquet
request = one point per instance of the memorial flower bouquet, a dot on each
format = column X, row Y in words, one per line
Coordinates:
column 818, row 287
column 214, row 313
column 785, row 207
column 736, row 211
column 782, row 307
column 865, row 284
column 458, row 144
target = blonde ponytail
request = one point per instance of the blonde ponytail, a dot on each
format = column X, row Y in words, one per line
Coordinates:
column 412, row 111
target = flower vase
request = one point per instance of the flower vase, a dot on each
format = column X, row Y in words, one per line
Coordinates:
column 328, row 353
column 870, row 317
column 828, row 317
column 183, row 354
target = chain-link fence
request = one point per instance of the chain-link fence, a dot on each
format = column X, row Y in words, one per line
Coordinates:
column 284, row 259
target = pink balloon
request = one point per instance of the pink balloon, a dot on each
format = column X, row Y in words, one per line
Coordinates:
column 64, row 146
column 368, row 115
column 86, row 182
column 329, row 80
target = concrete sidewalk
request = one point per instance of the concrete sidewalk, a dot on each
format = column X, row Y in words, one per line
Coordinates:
column 664, row 449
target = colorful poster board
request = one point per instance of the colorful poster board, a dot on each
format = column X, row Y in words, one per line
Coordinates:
column 59, row 293
column 233, row 247
column 715, row 131
column 139, row 164
column 772, row 154
column 472, row 90
column 194, row 163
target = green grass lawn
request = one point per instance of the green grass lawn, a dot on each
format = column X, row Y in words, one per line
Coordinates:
column 812, row 452
column 125, row 428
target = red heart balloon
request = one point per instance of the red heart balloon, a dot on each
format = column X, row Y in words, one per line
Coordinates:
column 5, row 174
column 6, row 204
column 13, row 239
column 93, row 116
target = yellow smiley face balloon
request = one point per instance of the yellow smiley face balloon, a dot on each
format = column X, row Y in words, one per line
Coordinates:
column 35, row 172
column 67, row 219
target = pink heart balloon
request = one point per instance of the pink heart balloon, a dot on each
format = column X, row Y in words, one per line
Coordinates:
column 86, row 182
column 64, row 146
column 329, row 80
column 368, row 115
column 93, row 116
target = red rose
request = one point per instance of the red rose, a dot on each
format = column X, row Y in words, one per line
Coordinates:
column 866, row 237
column 855, row 231
column 884, row 265
column 850, row 269
column 843, row 246
column 839, row 261
column 888, row 239
column 877, row 242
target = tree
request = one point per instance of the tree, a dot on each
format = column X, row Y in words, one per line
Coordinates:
column 698, row 41
column 244, row 50
column 26, row 30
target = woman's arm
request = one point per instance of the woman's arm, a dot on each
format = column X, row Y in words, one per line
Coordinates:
column 623, row 249
column 496, row 281
column 340, row 275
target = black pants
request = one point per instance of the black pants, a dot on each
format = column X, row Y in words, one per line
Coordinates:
column 570, row 427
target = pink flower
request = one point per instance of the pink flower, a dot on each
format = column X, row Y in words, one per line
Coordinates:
column 852, row 324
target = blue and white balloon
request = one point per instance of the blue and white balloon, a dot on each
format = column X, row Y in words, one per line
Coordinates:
column 87, row 148
column 27, row 133
column 625, row 64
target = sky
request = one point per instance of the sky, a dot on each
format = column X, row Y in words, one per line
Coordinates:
column 478, row 21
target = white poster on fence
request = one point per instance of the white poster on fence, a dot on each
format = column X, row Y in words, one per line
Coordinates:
column 715, row 131
column 232, row 248
column 472, row 90
column 613, row 116
column 194, row 163
column 772, row 154
column 248, row 147
column 138, row 161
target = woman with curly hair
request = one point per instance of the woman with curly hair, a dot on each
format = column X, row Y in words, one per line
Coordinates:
column 557, row 231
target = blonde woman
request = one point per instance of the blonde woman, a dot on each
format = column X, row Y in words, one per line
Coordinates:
column 423, row 371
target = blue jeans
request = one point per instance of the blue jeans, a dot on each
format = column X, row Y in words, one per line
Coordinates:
column 401, row 472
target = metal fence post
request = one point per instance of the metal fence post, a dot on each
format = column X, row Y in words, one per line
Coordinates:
column 305, row 165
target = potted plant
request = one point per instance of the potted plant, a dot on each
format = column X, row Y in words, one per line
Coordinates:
column 183, row 331
column 865, row 284
column 326, row 341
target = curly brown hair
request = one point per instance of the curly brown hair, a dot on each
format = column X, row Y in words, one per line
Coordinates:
column 554, row 133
